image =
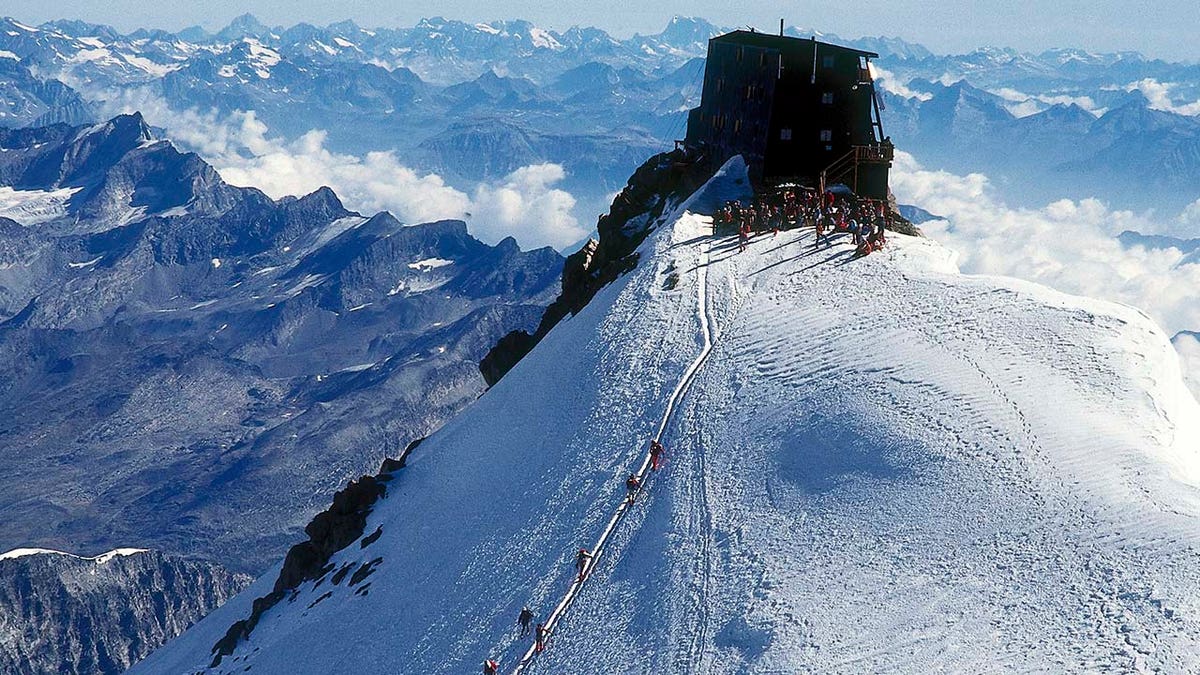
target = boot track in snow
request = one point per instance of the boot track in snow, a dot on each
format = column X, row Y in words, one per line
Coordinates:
column 643, row 471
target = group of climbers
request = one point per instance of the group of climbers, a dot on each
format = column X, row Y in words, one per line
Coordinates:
column 865, row 220
column 583, row 565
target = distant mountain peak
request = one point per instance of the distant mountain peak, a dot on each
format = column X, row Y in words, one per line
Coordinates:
column 133, row 123
column 244, row 25
column 344, row 26
column 682, row 30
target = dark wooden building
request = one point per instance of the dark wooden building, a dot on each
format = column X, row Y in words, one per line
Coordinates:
column 797, row 110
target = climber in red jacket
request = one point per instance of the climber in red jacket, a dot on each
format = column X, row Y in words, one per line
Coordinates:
column 656, row 455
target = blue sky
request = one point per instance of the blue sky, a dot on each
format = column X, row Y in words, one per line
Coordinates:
column 1164, row 28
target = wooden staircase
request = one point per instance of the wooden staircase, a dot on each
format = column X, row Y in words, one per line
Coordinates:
column 846, row 166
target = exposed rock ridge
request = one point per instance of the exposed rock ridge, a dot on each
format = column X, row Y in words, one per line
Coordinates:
column 330, row 531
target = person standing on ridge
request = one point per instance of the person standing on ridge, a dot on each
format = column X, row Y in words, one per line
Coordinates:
column 490, row 667
column 582, row 560
column 539, row 638
column 819, row 226
column 631, row 487
column 525, row 618
column 656, row 455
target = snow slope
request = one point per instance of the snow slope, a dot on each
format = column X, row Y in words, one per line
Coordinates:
column 882, row 465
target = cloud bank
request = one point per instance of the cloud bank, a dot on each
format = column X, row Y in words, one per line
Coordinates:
column 525, row 204
column 889, row 82
column 1021, row 104
column 1067, row 245
column 1188, row 346
column 1159, row 96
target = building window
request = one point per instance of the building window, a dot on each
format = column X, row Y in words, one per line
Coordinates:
column 737, row 125
column 739, row 54
column 827, row 98
column 828, row 62
column 762, row 59
column 785, row 134
column 826, row 135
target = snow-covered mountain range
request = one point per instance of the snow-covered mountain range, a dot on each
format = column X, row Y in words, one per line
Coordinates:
column 1063, row 123
column 862, row 473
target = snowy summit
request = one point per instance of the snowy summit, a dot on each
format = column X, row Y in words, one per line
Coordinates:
column 872, row 464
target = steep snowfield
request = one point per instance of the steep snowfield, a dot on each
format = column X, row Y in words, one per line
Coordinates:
column 882, row 465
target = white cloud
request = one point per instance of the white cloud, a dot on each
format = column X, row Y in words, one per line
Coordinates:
column 1188, row 346
column 1159, row 95
column 888, row 82
column 1189, row 220
column 1021, row 104
column 525, row 204
column 1067, row 245
column 371, row 183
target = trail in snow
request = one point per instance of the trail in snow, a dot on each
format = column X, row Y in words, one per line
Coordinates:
column 643, row 471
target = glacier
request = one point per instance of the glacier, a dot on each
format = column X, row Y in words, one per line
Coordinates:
column 883, row 464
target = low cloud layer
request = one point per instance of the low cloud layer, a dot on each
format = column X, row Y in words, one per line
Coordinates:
column 1024, row 105
column 1188, row 346
column 1067, row 245
column 1159, row 94
column 525, row 204
column 889, row 82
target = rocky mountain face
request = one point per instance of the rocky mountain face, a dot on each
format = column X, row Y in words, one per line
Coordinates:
column 61, row 613
column 195, row 367
column 26, row 100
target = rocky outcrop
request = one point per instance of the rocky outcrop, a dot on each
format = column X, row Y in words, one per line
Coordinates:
column 904, row 219
column 61, row 613
column 330, row 531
